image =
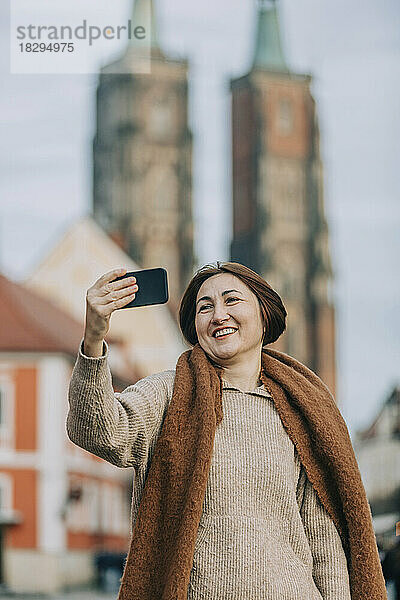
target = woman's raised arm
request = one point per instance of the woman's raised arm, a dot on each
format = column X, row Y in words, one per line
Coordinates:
column 117, row 427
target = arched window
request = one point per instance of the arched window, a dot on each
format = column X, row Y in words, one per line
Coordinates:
column 285, row 120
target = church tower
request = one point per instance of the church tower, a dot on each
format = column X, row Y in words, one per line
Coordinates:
column 279, row 225
column 142, row 154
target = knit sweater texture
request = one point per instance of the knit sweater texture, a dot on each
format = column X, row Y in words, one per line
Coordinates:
column 263, row 534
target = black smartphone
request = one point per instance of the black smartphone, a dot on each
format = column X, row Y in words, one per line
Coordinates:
column 152, row 287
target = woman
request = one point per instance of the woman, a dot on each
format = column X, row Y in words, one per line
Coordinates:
column 246, row 485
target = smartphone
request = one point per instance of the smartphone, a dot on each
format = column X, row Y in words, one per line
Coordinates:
column 152, row 287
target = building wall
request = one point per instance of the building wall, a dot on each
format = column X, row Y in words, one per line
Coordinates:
column 25, row 378
column 53, row 544
column 279, row 223
column 52, row 391
column 283, row 106
column 379, row 462
column 31, row 571
column 101, row 518
column 18, row 450
column 377, row 449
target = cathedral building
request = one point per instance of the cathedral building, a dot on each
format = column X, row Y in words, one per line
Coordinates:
column 142, row 156
column 279, row 225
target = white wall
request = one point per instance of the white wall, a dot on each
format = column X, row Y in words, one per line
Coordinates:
column 53, row 381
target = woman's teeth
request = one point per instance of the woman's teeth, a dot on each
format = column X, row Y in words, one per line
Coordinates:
column 224, row 332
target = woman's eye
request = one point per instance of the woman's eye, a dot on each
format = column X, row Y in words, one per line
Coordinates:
column 204, row 306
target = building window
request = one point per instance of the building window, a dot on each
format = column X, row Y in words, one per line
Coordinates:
column 285, row 120
column 102, row 508
column 6, row 412
column 93, row 501
column 5, row 492
column 163, row 184
column 75, row 517
column 115, row 517
column 160, row 124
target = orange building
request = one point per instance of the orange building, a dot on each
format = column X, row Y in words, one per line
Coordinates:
column 58, row 503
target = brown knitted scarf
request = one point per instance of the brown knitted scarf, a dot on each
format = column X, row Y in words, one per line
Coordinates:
column 160, row 557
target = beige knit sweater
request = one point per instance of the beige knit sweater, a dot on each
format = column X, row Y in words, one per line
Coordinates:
column 264, row 534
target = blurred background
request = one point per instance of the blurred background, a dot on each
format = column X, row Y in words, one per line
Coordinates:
column 265, row 133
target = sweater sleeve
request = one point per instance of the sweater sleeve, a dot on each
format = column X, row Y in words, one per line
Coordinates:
column 330, row 571
column 116, row 426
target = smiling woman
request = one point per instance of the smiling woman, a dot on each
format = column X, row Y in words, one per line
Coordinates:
column 232, row 296
column 246, row 484
column 271, row 305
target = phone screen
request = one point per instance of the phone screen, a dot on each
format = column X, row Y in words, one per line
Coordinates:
column 152, row 287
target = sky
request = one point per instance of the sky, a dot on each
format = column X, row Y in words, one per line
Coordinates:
column 352, row 49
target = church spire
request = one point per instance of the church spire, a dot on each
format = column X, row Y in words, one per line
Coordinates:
column 143, row 15
column 268, row 51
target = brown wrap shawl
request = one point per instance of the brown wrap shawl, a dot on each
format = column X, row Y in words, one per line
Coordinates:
column 161, row 552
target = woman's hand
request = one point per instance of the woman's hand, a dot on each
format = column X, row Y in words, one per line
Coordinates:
column 102, row 299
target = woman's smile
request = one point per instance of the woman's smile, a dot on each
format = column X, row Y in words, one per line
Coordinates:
column 224, row 336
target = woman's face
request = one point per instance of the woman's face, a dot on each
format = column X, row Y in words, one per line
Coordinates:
column 222, row 301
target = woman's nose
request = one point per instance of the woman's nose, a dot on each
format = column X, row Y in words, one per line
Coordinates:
column 220, row 314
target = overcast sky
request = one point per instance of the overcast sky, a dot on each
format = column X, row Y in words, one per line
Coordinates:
column 351, row 47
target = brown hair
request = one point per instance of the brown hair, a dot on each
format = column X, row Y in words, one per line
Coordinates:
column 272, row 308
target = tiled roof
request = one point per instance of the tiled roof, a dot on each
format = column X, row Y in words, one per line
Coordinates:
column 29, row 322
